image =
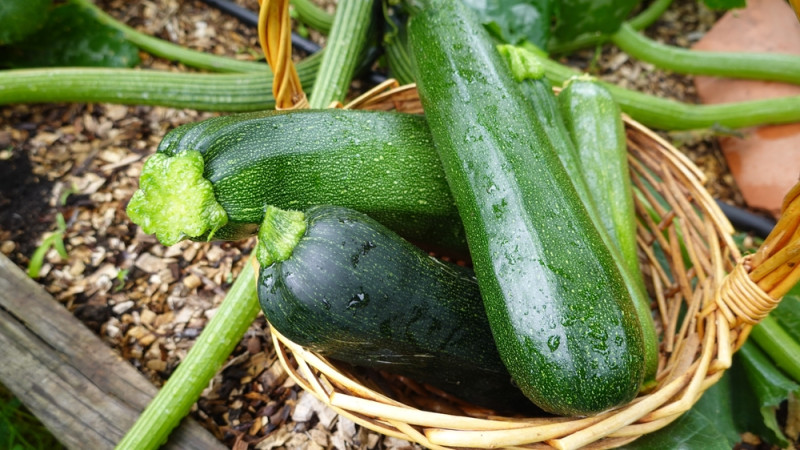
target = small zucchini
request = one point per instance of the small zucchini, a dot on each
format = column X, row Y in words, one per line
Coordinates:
column 594, row 121
column 560, row 312
column 213, row 179
column 339, row 283
column 589, row 136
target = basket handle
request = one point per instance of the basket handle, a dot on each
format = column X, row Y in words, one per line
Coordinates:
column 759, row 281
column 274, row 35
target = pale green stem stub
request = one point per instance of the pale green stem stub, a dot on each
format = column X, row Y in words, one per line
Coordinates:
column 174, row 201
column 279, row 234
column 524, row 64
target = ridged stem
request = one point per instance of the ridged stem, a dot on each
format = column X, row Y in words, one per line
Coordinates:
column 218, row 339
column 668, row 114
column 750, row 65
column 209, row 92
column 312, row 15
column 779, row 345
column 346, row 42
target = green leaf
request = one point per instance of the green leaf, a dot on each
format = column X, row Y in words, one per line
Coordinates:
column 788, row 314
column 21, row 18
column 576, row 17
column 761, row 388
column 708, row 425
column 516, row 21
column 71, row 37
column 725, row 4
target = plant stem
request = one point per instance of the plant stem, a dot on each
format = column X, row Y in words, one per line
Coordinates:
column 668, row 114
column 312, row 15
column 779, row 345
column 750, row 65
column 643, row 20
column 210, row 92
column 173, row 52
column 345, row 43
column 218, row 339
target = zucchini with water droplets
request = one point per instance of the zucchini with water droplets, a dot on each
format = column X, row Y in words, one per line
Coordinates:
column 562, row 318
column 213, row 179
column 339, row 283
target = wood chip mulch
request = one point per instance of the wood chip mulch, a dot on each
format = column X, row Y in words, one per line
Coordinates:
column 150, row 302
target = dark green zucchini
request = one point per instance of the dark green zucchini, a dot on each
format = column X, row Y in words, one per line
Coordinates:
column 213, row 179
column 560, row 312
column 339, row 283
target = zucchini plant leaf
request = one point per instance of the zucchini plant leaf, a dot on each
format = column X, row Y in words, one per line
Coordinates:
column 576, row 17
column 708, row 425
column 21, row 18
column 725, row 4
column 515, row 21
column 71, row 37
column 761, row 387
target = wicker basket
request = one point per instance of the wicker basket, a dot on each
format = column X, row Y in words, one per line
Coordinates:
column 691, row 265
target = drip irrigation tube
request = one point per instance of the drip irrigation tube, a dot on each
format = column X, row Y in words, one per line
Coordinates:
column 747, row 221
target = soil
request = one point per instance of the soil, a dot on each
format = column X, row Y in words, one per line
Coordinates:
column 150, row 302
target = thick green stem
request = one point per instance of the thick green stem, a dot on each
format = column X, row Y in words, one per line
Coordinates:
column 173, row 52
column 758, row 66
column 212, row 348
column 312, row 15
column 209, row 92
column 279, row 234
column 640, row 22
column 667, row 114
column 779, row 345
column 346, row 42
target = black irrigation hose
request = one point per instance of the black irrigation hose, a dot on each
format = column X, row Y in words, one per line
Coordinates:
column 250, row 18
column 747, row 221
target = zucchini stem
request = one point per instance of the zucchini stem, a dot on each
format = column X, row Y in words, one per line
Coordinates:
column 750, row 65
column 346, row 42
column 173, row 52
column 200, row 91
column 312, row 15
column 779, row 345
column 666, row 114
column 218, row 339
column 279, row 234
column 174, row 200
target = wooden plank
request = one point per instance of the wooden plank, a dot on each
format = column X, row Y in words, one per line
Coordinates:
column 83, row 392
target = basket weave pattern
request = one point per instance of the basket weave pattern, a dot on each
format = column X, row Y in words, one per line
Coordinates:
column 686, row 254
column 704, row 304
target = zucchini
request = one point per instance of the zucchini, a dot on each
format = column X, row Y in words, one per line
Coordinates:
column 213, row 179
column 594, row 121
column 560, row 313
column 590, row 141
column 339, row 283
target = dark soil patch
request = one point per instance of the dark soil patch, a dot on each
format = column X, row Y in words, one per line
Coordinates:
column 24, row 201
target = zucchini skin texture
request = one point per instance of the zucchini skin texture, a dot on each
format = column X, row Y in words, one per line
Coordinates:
column 355, row 291
column 594, row 121
column 562, row 318
column 380, row 163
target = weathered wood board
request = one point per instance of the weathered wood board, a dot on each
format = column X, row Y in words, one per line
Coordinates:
column 84, row 393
